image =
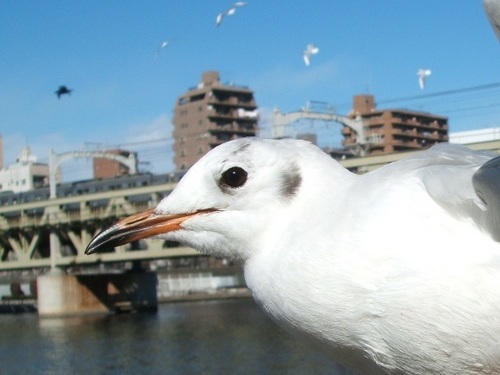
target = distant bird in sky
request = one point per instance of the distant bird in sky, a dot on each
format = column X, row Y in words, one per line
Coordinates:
column 492, row 10
column 310, row 50
column 62, row 90
column 396, row 271
column 422, row 76
column 162, row 46
column 229, row 12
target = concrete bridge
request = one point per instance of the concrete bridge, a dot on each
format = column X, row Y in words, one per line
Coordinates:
column 54, row 233
column 25, row 229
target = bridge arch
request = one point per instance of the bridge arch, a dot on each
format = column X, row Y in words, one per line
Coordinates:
column 56, row 159
column 280, row 120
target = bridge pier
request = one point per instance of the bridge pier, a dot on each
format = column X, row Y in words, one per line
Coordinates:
column 61, row 294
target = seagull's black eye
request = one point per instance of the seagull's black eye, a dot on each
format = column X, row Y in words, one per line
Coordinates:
column 234, row 177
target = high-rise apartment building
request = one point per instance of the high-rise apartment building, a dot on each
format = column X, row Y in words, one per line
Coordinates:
column 394, row 130
column 210, row 114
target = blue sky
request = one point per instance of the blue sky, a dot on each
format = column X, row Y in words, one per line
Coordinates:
column 105, row 51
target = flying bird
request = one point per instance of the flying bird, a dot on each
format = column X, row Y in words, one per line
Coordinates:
column 229, row 12
column 396, row 271
column 162, row 46
column 492, row 10
column 62, row 90
column 422, row 76
column 310, row 50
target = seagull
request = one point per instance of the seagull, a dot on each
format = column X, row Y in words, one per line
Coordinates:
column 310, row 50
column 163, row 45
column 422, row 76
column 62, row 90
column 492, row 10
column 229, row 12
column 219, row 18
column 396, row 271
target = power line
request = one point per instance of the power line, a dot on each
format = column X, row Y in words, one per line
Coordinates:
column 460, row 103
column 441, row 93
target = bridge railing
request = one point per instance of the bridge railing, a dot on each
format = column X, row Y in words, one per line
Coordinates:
column 25, row 229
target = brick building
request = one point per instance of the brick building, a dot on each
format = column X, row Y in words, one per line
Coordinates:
column 210, row 114
column 395, row 130
column 108, row 168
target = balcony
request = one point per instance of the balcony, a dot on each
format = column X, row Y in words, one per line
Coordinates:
column 420, row 132
column 233, row 128
column 408, row 144
column 216, row 140
column 233, row 101
column 213, row 114
column 232, row 115
column 403, row 122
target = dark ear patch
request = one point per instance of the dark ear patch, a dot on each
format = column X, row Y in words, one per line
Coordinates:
column 291, row 181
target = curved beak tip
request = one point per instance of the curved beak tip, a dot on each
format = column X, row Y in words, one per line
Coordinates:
column 139, row 226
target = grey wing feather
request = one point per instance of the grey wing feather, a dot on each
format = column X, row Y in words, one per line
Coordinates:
column 486, row 182
column 465, row 183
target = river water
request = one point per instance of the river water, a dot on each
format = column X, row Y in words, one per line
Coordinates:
column 210, row 337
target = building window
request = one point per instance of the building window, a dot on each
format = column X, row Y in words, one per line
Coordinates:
column 195, row 98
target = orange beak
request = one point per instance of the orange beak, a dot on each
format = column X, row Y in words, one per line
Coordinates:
column 135, row 227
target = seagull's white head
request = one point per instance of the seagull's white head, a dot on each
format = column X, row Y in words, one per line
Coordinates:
column 227, row 201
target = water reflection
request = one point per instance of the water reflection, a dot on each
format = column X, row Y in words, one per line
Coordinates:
column 223, row 337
